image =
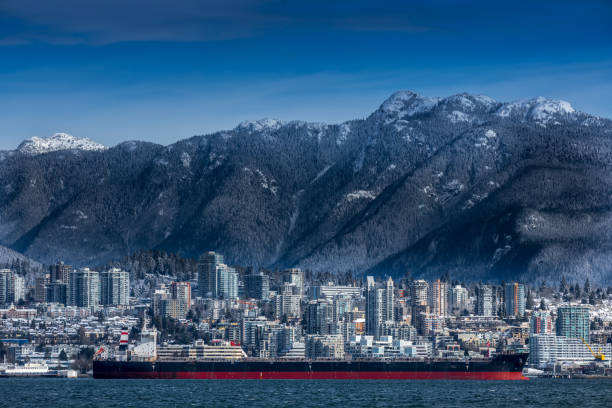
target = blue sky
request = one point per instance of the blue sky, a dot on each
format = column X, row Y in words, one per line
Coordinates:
column 163, row 70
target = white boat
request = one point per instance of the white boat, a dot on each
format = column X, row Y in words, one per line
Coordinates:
column 28, row 369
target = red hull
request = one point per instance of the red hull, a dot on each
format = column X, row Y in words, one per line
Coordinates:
column 326, row 375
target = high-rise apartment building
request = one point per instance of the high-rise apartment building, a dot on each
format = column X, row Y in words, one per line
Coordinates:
column 115, row 287
column 257, row 286
column 84, row 288
column 287, row 303
column 173, row 301
column 459, row 298
column 573, row 321
column 39, row 287
column 484, row 301
column 181, row 291
column 295, row 277
column 419, row 302
column 319, row 317
column 514, row 297
column 11, row 286
column 438, row 298
column 379, row 305
column 6, row 276
column 56, row 292
column 215, row 279
column 60, row 272
column 541, row 322
column 419, row 292
column 388, row 295
column 18, row 288
column 371, row 307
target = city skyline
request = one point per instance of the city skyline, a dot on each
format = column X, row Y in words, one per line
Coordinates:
column 297, row 315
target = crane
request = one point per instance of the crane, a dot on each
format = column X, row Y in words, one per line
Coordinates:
column 599, row 356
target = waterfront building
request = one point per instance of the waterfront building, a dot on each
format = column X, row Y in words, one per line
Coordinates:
column 573, row 321
column 297, row 351
column 275, row 340
column 514, row 297
column 548, row 348
column 84, row 288
column 330, row 346
column 215, row 279
column 219, row 350
column 484, row 301
column 115, row 287
column 251, row 331
column 398, row 331
column 257, row 286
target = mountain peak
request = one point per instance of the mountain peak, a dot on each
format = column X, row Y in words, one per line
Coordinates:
column 469, row 102
column 539, row 109
column 59, row 141
column 407, row 103
column 261, row 124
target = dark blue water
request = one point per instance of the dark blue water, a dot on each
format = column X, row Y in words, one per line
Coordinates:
column 31, row 392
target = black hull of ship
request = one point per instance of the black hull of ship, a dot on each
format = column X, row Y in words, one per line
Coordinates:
column 502, row 367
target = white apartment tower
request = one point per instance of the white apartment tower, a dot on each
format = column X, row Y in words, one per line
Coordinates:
column 115, row 287
column 84, row 288
column 216, row 280
column 379, row 305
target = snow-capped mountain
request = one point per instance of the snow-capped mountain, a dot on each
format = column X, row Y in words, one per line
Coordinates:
column 539, row 109
column 466, row 184
column 59, row 141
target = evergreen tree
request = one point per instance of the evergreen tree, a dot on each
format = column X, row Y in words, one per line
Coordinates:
column 529, row 303
column 563, row 286
column 577, row 293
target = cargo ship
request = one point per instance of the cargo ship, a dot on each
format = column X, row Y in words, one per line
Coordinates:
column 501, row 367
column 228, row 361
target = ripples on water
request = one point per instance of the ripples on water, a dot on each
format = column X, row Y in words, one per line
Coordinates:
column 35, row 392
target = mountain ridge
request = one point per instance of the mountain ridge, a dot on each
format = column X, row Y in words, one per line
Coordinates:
column 375, row 195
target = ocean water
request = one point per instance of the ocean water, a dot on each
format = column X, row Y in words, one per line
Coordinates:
column 48, row 392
